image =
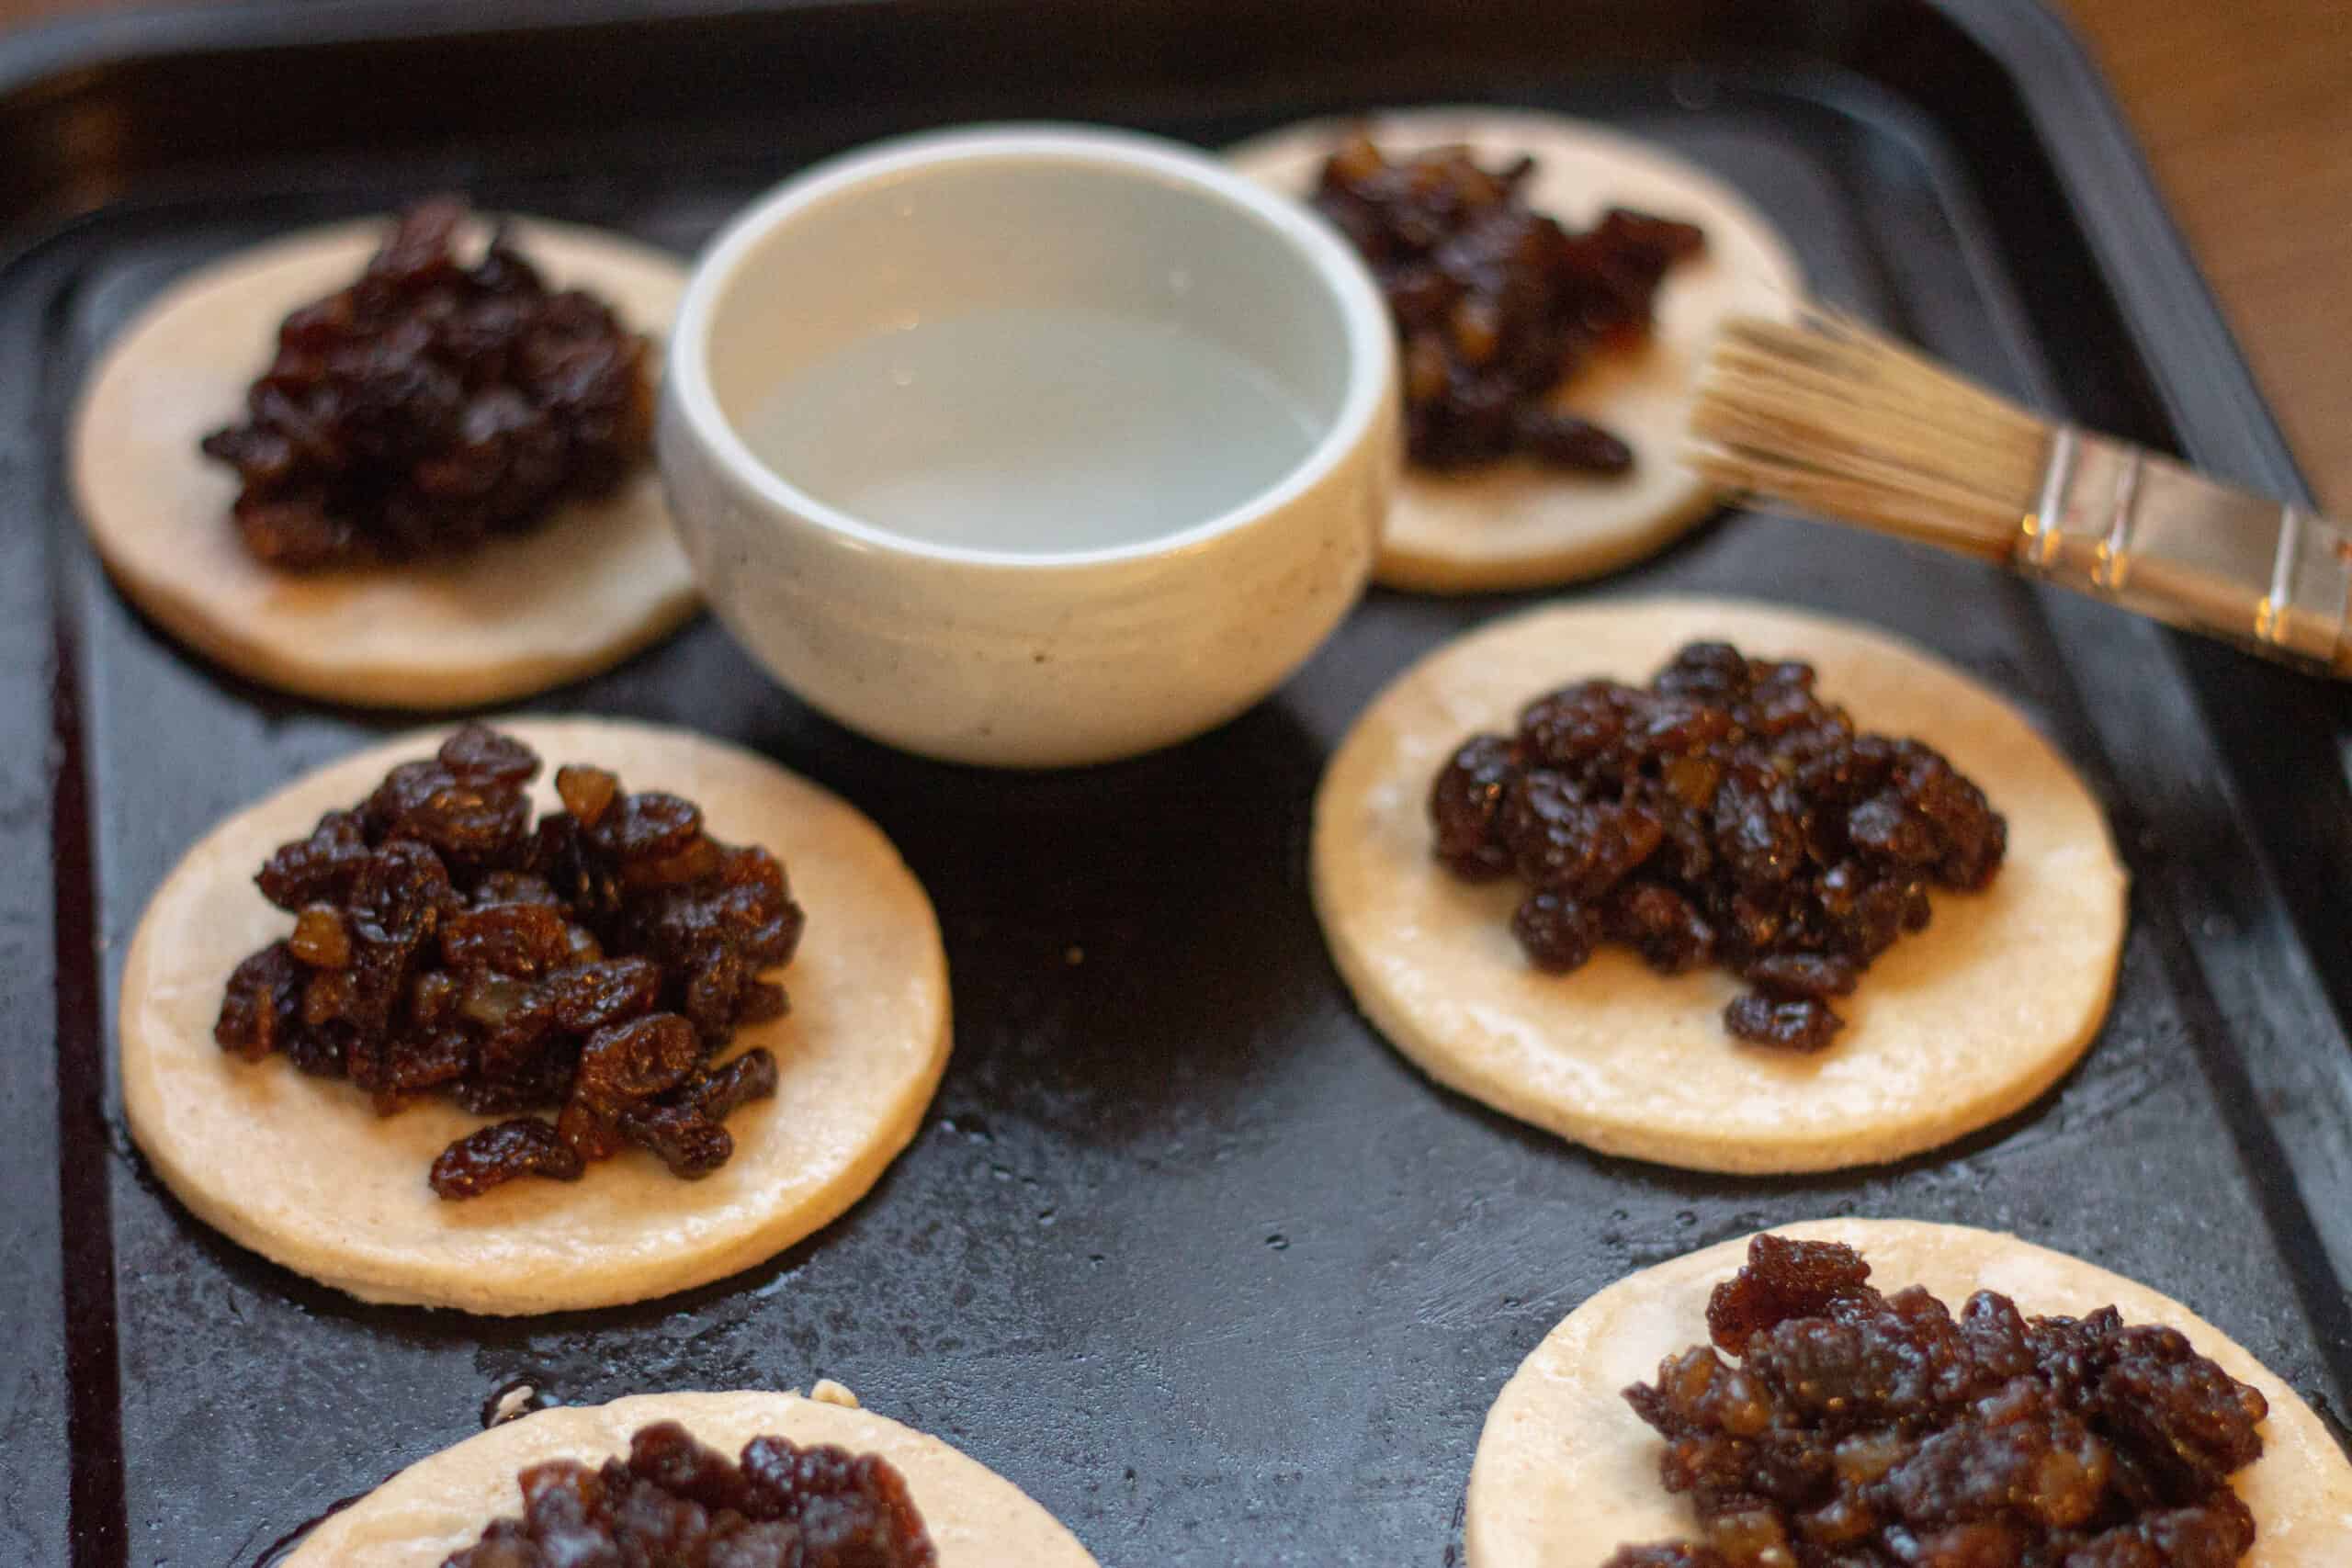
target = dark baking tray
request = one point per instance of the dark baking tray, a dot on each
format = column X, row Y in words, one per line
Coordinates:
column 1181, row 1248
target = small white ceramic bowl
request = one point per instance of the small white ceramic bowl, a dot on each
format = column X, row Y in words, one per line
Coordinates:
column 1006, row 600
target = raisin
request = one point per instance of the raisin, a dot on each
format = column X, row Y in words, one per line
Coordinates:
column 1664, row 926
column 1566, row 441
column 319, row 869
column 1557, row 932
column 1995, row 1337
column 1885, row 827
column 1796, row 1023
column 261, row 1009
column 428, row 407
column 521, row 939
column 427, row 1061
column 672, row 1503
column 648, row 827
column 2177, row 1409
column 1558, row 839
column 1757, row 834
column 1465, row 804
column 1783, row 1279
column 1819, row 1367
column 623, row 1064
column 500, row 1153
column 444, row 943
column 480, row 755
column 719, row 1092
column 761, row 1001
column 1802, row 974
column 1577, row 729
column 715, row 990
column 666, row 1455
column 1858, row 1428
column 586, row 997
column 1661, row 236
column 593, row 1133
column 854, row 1508
column 472, row 825
column 1725, row 814
column 689, row 1143
column 1698, row 1390
column 1498, row 307
column 1713, row 673
column 512, row 887
column 2051, row 1468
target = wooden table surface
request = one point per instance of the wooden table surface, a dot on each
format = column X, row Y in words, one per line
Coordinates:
column 2245, row 110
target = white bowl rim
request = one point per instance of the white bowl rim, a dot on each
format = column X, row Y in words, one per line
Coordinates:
column 1363, row 313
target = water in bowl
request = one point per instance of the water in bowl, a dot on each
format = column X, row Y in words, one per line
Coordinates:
column 1033, row 431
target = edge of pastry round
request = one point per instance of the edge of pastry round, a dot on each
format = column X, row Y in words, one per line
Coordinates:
column 1565, row 1472
column 1953, row 1028
column 1518, row 524
column 441, row 1504
column 579, row 595
column 302, row 1170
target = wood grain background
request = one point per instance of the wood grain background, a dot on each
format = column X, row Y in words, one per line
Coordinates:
column 2245, row 110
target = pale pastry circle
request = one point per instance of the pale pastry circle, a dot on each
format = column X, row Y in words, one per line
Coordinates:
column 591, row 585
column 1518, row 524
column 441, row 1505
column 1953, row 1028
column 302, row 1170
column 1565, row 1472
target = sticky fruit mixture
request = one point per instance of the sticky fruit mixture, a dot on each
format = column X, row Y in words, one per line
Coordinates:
column 1724, row 814
column 593, row 965
column 675, row 1503
column 431, row 406
column 1498, row 307
column 1858, row 1430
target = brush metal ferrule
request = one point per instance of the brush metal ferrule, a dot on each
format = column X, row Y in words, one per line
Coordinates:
column 2121, row 523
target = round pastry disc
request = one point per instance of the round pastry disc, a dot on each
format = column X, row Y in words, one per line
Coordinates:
column 302, row 1170
column 439, row 1505
column 591, row 585
column 1955, row 1027
column 1567, row 1472
column 1517, row 524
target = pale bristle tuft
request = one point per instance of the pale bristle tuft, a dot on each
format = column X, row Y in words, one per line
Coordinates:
column 1827, row 416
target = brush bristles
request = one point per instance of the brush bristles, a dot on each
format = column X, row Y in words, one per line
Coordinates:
column 1824, row 415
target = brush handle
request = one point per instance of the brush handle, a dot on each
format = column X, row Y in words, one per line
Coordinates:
column 2137, row 529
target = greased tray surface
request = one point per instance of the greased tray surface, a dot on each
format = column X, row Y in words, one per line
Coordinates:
column 1181, row 1248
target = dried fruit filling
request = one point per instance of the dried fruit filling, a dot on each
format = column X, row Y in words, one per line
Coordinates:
column 592, row 964
column 675, row 1503
column 1497, row 306
column 431, row 406
column 1858, row 1430
column 1725, row 814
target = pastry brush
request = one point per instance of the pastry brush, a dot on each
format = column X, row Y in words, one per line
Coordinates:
column 1823, row 415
